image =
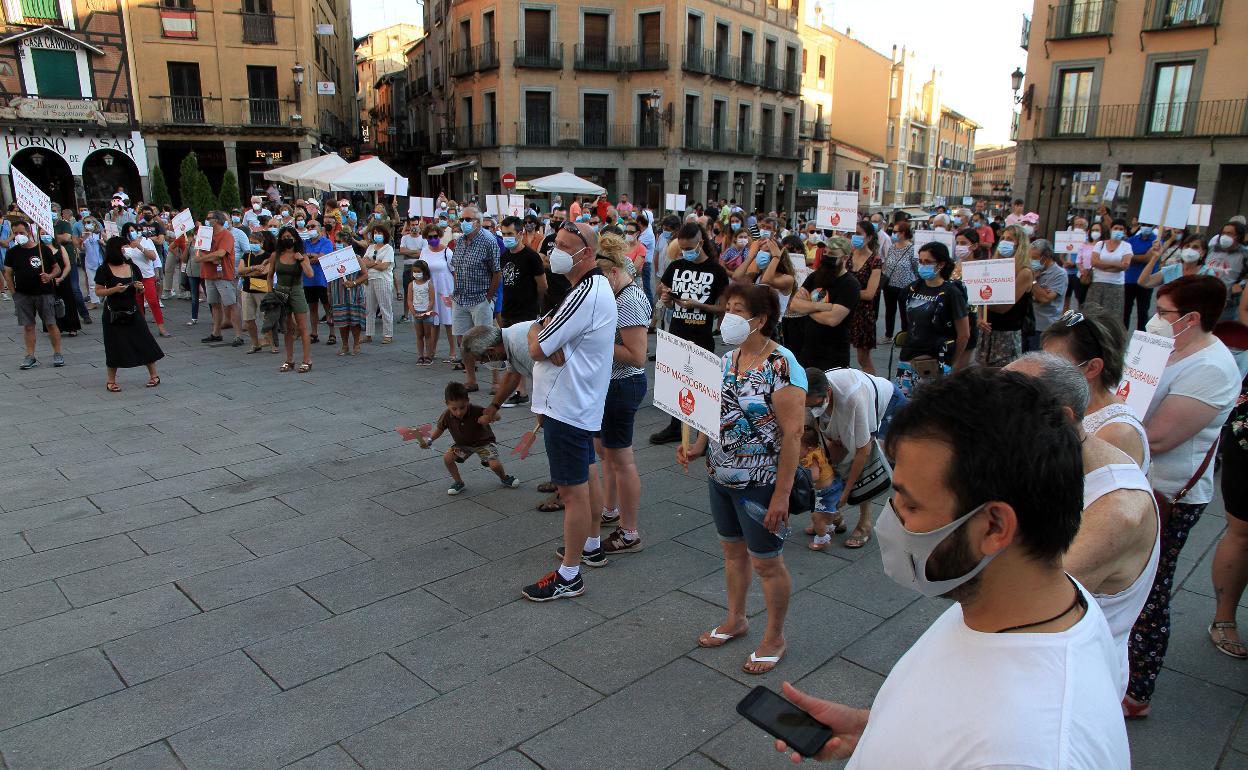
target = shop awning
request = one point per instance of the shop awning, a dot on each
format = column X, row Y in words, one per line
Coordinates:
column 304, row 169
column 454, row 165
column 361, row 176
column 566, row 183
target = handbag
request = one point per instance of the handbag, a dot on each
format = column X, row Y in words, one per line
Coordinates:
column 877, row 475
column 1165, row 503
column 58, row 307
column 119, row 317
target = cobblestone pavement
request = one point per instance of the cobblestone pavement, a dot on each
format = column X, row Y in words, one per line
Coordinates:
column 246, row 569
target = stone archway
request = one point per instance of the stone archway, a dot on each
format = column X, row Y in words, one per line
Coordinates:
column 49, row 171
column 103, row 171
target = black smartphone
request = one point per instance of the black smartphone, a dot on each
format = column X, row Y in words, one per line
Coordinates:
column 802, row 732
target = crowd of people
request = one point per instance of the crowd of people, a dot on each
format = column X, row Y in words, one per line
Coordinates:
column 1017, row 481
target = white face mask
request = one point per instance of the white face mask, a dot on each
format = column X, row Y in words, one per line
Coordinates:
column 1159, row 326
column 1096, row 235
column 1225, row 242
column 735, row 329
column 905, row 554
column 818, row 411
column 960, row 252
column 1189, row 255
column 561, row 262
column 742, row 243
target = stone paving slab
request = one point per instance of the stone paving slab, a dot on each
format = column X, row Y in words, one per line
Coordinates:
column 367, row 610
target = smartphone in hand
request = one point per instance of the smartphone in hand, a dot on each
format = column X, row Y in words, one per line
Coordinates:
column 775, row 714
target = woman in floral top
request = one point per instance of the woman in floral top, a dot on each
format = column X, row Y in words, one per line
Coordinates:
column 751, row 466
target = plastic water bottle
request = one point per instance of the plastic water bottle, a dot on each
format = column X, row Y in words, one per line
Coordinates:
column 759, row 513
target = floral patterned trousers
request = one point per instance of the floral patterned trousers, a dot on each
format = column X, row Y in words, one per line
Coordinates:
column 1146, row 647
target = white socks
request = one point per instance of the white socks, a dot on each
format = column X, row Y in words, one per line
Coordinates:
column 822, row 539
column 592, row 544
column 568, row 573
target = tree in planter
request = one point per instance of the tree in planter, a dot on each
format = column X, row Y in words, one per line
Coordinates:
column 188, row 173
column 229, row 198
column 202, row 200
column 160, row 188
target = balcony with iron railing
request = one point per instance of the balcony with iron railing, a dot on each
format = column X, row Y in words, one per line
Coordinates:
column 698, row 60
column 918, row 158
column 598, row 57
column 1226, row 117
column 646, row 56
column 1085, row 18
column 258, row 28
column 771, row 78
column 590, row 135
column 190, row 110
column 1161, row 15
column 541, row 54
column 709, row 139
column 823, row 130
column 806, row 129
column 792, row 84
column 264, row 111
column 477, row 58
column 1025, row 33
column 914, row 198
column 476, row 137
column 750, row 72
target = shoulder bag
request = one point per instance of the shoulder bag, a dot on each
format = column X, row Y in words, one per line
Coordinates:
column 877, row 475
column 1165, row 503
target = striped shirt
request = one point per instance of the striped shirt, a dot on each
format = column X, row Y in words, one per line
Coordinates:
column 633, row 309
column 475, row 261
column 583, row 327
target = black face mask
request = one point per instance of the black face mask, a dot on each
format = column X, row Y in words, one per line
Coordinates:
column 286, row 243
column 116, row 259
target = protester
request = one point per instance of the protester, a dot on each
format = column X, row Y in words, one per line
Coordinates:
column 67, row 319
column 92, row 256
column 692, row 287
column 316, row 288
column 32, row 271
column 1181, row 256
column 1093, row 339
column 751, row 467
column 986, row 523
column 1197, row 390
column 422, row 302
column 866, row 267
column 900, row 270
column 1115, row 553
column 254, row 271
column 68, row 237
column 216, row 271
column 775, row 271
column 378, row 262
column 1001, row 326
column 472, row 436
column 477, row 269
column 826, row 298
column 1047, row 292
column 1110, row 259
column 572, row 353
column 437, row 255
column 286, row 269
column 1229, row 256
column 1230, row 558
column 127, row 340
column 142, row 253
column 1136, row 294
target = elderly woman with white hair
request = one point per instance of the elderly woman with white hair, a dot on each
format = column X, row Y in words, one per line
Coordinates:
column 1047, row 293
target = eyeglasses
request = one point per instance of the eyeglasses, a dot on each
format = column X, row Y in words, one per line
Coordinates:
column 1072, row 318
column 1169, row 312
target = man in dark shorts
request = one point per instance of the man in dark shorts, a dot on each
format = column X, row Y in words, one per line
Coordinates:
column 33, row 278
column 315, row 289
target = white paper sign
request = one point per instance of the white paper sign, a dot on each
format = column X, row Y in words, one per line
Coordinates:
column 396, row 186
column 326, row 88
column 922, row 237
column 687, row 383
column 340, row 263
column 989, row 281
column 504, row 205
column 674, row 202
column 1166, row 205
column 1200, row 214
column 968, row 200
column 182, row 223
column 421, row 207
column 1141, row 370
column 32, row 201
column 515, row 205
column 203, row 238
column 837, row 210
column 111, row 230
column 1111, row 190
column 1066, row 245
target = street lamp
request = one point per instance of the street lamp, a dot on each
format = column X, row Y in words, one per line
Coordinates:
column 298, row 71
column 1016, row 80
column 759, row 185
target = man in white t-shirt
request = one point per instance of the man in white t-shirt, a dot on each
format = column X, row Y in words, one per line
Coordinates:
column 1021, row 671
column 572, row 351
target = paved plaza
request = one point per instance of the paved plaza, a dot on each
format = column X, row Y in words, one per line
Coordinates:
column 246, row 569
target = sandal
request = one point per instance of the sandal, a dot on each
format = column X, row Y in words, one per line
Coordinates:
column 387, row 340
column 304, row 367
column 714, row 638
column 458, row 366
column 814, row 545
column 838, row 525
column 112, row 387
column 344, row 351
column 255, row 349
column 286, row 367
column 451, row 360
column 1217, row 635
column 768, row 661
column 550, row 505
column 153, row 383
column 857, row 539
column 1135, row 709
column 314, row 339
column 355, row 350
column 332, row 340
column 547, row 488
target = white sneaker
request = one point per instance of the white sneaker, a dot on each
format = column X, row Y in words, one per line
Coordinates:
column 4, row 295
column 161, row 303
column 192, row 322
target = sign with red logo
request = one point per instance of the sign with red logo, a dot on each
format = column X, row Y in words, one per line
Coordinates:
column 340, row 263
column 991, row 280
column 687, row 402
column 1142, row 367
column 837, row 210
column 687, row 382
column 509, row 180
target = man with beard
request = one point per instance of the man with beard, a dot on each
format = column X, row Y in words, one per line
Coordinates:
column 1021, row 671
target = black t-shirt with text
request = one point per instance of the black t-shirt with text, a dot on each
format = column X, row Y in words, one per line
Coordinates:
column 703, row 282
column 931, row 313
column 827, row 347
column 520, row 271
column 27, row 262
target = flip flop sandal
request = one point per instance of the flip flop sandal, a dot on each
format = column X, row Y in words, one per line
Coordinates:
column 856, row 541
column 255, row 349
column 1226, row 646
column 332, row 340
column 153, row 383
column 286, row 367
column 112, row 387
column 819, row 546
column 459, row 366
column 304, row 368
column 770, row 661
column 547, row 488
column 550, row 506
column 719, row 639
column 314, row 339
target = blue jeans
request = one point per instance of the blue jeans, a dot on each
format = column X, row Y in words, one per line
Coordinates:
column 645, row 281
column 195, row 282
column 75, row 283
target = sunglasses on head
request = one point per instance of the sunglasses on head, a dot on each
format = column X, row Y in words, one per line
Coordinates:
column 572, row 228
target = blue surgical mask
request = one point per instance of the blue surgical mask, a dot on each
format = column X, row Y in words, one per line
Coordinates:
column 764, row 234
column 253, row 248
column 895, row 237
column 762, row 259
column 1036, row 264
column 957, row 221
column 735, row 226
column 45, row 238
column 1006, row 248
column 510, row 241
column 466, row 226
column 858, row 241
column 927, row 272
column 1117, row 235
column 235, row 220
column 379, row 238
column 690, row 254
column 1145, row 232
column 300, row 222
column 876, row 225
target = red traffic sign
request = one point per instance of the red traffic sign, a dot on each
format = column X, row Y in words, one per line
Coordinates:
column 509, row 180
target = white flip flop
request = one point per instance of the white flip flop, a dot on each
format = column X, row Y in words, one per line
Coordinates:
column 772, row 659
column 721, row 638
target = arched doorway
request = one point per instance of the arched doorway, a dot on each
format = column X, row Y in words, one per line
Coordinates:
column 103, row 171
column 49, row 172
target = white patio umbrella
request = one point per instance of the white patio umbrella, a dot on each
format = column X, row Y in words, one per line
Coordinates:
column 361, row 176
column 295, row 173
column 566, row 183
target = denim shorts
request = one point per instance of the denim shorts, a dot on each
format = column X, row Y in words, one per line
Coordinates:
column 734, row 523
column 570, row 452
column 894, row 404
column 620, row 411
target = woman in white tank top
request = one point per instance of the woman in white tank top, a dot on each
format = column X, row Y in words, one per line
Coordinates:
column 1095, row 341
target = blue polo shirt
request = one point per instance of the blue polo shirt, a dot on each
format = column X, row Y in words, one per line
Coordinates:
column 321, row 245
column 1139, row 245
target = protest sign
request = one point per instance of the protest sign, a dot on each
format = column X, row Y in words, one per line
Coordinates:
column 1200, row 214
column 340, row 263
column 395, row 186
column 421, row 207
column 203, row 238
column 968, row 200
column 989, row 281
column 1066, row 245
column 837, row 210
column 32, row 201
column 182, row 223
column 1166, row 205
column 922, row 237
column 111, row 230
column 674, row 202
column 1141, row 371
column 687, row 382
column 1111, row 190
